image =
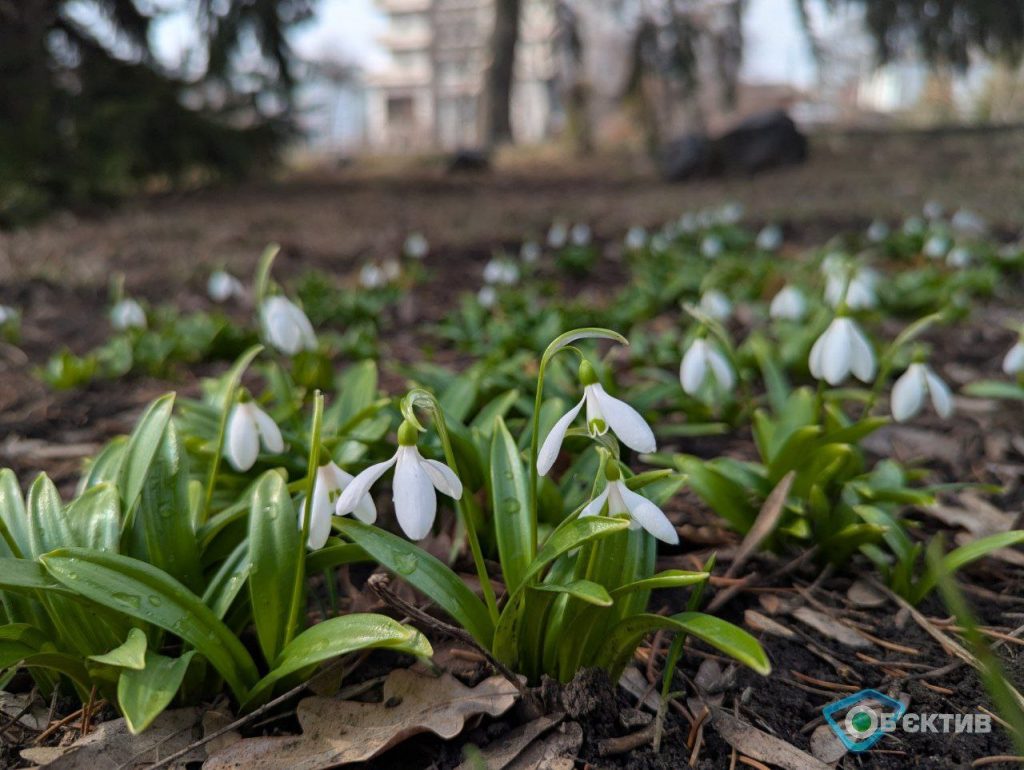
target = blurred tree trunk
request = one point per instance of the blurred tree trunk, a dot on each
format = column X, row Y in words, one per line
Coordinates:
column 497, row 102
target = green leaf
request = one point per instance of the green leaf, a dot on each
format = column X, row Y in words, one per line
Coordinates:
column 27, row 577
column 995, row 389
column 131, row 654
column 106, row 466
column 273, row 553
column 14, row 525
column 95, row 518
column 48, row 528
column 729, row 500
column 672, row 578
column 146, row 593
column 510, row 506
column 584, row 590
column 141, row 448
column 144, row 693
column 720, row 634
column 358, row 391
column 960, row 557
column 231, row 577
column 425, row 573
column 335, row 554
column 339, row 636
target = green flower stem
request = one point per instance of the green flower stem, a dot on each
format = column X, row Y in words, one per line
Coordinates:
column 312, row 467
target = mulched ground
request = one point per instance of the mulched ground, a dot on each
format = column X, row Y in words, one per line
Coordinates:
column 57, row 274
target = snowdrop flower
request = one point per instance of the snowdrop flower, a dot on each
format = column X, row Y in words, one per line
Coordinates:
column 770, row 238
column 635, row 239
column 501, row 271
column 487, row 296
column 416, row 478
column 248, row 427
column 936, row 247
column 860, row 294
column 330, row 481
column 688, row 222
column 715, row 304
column 910, row 389
column 966, row 221
column 1013, row 361
column 580, row 234
column 878, row 231
column 789, row 304
column 711, row 247
column 730, row 213
column 702, row 365
column 529, row 252
column 391, row 268
column 416, row 246
column 959, row 256
column 7, row 314
column 841, row 350
column 128, row 314
column 913, row 226
column 604, row 413
column 933, row 210
column 371, row 276
column 659, row 243
column 222, row 286
column 641, row 511
column 558, row 235
column 285, row 326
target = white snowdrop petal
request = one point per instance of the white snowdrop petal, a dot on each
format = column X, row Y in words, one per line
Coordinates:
column 319, row 524
column 862, row 357
column 553, row 442
column 941, row 395
column 352, row 495
column 415, row 500
column 1013, row 362
column 722, row 369
column 625, row 422
column 593, row 508
column 814, row 360
column 269, row 432
column 443, row 478
column 694, row 367
column 648, row 515
column 907, row 394
column 242, row 443
column 836, row 353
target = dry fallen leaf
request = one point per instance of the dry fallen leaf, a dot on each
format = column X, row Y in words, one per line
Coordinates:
column 337, row 732
column 557, row 751
column 829, row 627
column 502, row 752
column 826, row 746
column 759, row 623
column 29, row 711
column 759, row 745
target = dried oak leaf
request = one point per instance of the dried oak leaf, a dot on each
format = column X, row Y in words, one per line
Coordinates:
column 336, row 732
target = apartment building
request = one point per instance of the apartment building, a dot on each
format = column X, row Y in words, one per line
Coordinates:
column 429, row 96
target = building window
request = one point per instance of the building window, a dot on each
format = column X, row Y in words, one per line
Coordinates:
column 400, row 110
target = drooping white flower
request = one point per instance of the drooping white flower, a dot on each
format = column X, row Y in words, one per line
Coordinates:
column 529, row 252
column 128, row 314
column 604, row 413
column 730, row 213
column 416, row 246
column 878, row 231
column 841, row 350
column 1013, row 361
column 958, row 256
column 580, row 234
column 416, row 478
column 688, row 222
column 789, row 304
column 371, row 276
column 936, row 246
column 248, row 427
column 330, row 482
column 636, row 238
column 932, row 210
column 501, row 271
column 913, row 385
column 711, row 247
column 642, row 512
column 222, row 286
column 859, row 295
column 770, row 238
column 487, row 296
column 913, row 226
column 704, row 364
column 8, row 314
column 659, row 243
column 967, row 222
column 715, row 304
column 558, row 235
column 285, row 326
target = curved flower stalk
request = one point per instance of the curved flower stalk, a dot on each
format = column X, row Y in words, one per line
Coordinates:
column 789, row 304
column 841, row 350
column 416, row 478
column 620, row 500
column 331, row 481
column 222, row 286
column 909, row 392
column 248, row 428
column 604, row 413
column 704, row 365
column 285, row 326
column 1013, row 361
column 128, row 314
column 715, row 304
column 416, row 246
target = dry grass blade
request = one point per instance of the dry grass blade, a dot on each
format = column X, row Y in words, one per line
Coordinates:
column 765, row 523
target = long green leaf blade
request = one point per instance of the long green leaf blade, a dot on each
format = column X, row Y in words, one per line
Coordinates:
column 510, row 506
